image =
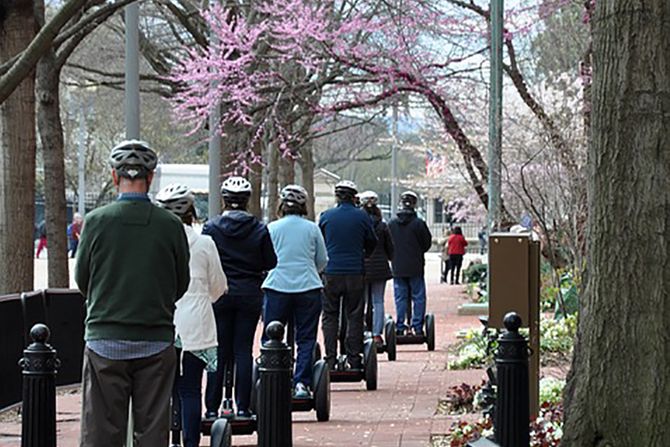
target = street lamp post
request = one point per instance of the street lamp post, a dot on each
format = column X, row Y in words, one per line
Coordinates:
column 495, row 116
column 394, row 161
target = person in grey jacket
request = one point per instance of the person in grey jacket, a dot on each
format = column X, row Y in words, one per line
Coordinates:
column 377, row 270
column 411, row 239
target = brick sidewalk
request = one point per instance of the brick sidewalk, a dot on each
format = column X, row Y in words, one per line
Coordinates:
column 400, row 413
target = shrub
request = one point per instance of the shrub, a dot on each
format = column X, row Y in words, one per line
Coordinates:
column 475, row 273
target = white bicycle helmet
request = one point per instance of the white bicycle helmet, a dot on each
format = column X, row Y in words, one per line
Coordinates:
column 236, row 191
column 409, row 199
column 176, row 198
column 133, row 159
column 293, row 194
column 346, row 190
column 368, row 198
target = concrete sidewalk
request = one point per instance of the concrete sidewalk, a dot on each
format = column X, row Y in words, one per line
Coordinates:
column 400, row 413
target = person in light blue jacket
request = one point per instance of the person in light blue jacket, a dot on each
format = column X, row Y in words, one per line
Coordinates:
column 293, row 288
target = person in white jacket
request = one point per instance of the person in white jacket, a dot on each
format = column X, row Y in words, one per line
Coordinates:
column 195, row 326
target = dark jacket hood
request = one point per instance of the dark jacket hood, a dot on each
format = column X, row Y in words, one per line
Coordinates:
column 406, row 216
column 237, row 223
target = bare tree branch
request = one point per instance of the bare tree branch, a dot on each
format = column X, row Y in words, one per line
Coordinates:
column 39, row 45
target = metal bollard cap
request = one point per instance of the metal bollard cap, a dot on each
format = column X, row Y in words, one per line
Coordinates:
column 275, row 331
column 40, row 333
column 512, row 321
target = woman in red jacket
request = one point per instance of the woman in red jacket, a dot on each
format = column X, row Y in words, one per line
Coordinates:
column 456, row 249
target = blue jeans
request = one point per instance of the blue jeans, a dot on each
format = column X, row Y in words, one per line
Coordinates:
column 303, row 310
column 376, row 291
column 189, row 387
column 413, row 288
column 236, row 321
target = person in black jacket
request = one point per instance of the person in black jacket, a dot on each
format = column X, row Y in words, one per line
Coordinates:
column 411, row 238
column 377, row 270
column 246, row 253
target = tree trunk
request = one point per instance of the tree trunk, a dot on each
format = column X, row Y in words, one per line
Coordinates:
column 286, row 171
column 17, row 163
column 51, row 136
column 618, row 390
column 256, row 179
column 272, row 182
column 306, row 162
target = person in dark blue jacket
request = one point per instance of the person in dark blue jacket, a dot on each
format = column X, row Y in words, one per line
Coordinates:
column 411, row 239
column 246, row 253
column 349, row 238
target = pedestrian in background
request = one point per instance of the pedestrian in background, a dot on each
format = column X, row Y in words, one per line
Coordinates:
column 456, row 245
column 42, row 235
column 73, row 234
column 132, row 267
column 411, row 239
column 377, row 270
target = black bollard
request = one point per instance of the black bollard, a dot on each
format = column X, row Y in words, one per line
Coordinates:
column 274, row 401
column 512, row 415
column 39, row 363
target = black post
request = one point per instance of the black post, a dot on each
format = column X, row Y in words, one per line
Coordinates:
column 512, row 416
column 39, row 363
column 274, row 403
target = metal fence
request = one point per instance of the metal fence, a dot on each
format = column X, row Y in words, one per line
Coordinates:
column 63, row 311
column 470, row 231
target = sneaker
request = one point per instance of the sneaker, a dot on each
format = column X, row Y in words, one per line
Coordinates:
column 332, row 364
column 354, row 363
column 418, row 332
column 211, row 415
column 378, row 341
column 244, row 414
column 300, row 391
column 400, row 332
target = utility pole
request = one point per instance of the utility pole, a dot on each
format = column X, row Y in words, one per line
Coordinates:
column 81, row 162
column 132, row 104
column 394, row 161
column 495, row 116
column 214, row 149
column 132, row 71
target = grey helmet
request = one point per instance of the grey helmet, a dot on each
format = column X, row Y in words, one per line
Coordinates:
column 346, row 190
column 409, row 199
column 133, row 159
column 368, row 198
column 236, row 191
column 176, row 198
column 294, row 194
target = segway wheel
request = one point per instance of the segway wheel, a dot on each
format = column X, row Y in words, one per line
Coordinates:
column 370, row 366
column 255, row 387
column 430, row 332
column 322, row 391
column 222, row 434
column 389, row 337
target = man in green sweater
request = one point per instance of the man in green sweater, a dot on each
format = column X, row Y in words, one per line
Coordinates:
column 132, row 266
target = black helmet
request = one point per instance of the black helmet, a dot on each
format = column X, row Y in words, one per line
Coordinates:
column 133, row 159
column 346, row 190
column 236, row 191
column 409, row 199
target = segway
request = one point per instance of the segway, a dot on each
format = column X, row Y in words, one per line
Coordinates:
column 428, row 336
column 220, row 429
column 368, row 372
column 319, row 401
column 389, row 338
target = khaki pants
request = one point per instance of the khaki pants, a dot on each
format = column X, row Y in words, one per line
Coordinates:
column 108, row 385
